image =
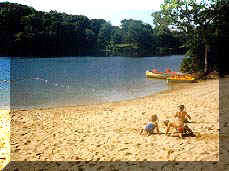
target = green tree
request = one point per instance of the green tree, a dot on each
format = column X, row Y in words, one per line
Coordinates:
column 27, row 32
column 104, row 35
column 191, row 17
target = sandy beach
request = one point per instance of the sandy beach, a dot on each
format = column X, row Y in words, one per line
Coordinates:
column 4, row 138
column 110, row 131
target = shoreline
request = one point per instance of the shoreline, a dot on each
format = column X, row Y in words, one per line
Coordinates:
column 110, row 131
column 170, row 89
column 38, row 57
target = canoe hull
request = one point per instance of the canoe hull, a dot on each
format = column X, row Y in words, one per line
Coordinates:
column 180, row 81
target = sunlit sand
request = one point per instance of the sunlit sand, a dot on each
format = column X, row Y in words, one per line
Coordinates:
column 110, row 131
column 4, row 138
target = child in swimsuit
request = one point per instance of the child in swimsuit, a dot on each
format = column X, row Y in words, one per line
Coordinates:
column 183, row 117
column 150, row 127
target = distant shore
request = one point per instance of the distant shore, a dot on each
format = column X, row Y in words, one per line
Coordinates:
column 93, row 56
column 110, row 131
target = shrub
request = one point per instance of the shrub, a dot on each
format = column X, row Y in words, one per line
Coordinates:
column 190, row 65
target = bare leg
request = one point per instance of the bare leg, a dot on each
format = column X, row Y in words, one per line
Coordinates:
column 167, row 131
column 180, row 135
column 176, row 134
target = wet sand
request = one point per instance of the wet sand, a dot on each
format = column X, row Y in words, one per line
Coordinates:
column 110, row 131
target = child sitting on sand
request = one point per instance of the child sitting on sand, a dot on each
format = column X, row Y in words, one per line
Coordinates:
column 149, row 128
column 182, row 130
column 179, row 126
column 183, row 117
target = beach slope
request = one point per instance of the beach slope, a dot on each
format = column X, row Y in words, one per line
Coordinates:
column 110, row 131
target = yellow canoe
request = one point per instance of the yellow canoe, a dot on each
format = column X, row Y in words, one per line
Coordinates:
column 181, row 80
column 150, row 74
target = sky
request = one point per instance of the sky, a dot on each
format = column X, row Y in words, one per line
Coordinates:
column 110, row 10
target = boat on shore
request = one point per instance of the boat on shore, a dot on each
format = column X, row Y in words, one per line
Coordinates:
column 186, row 78
column 175, row 77
column 151, row 74
column 181, row 81
column 160, row 75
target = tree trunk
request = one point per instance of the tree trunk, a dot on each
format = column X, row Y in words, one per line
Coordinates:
column 206, row 60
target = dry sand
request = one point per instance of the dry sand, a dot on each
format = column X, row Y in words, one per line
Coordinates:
column 4, row 138
column 109, row 132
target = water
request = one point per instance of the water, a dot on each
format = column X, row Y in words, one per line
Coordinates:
column 69, row 81
column 4, row 83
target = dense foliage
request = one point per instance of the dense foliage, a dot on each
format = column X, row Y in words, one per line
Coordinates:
column 27, row 32
column 206, row 27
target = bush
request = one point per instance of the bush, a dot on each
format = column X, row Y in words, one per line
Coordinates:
column 190, row 65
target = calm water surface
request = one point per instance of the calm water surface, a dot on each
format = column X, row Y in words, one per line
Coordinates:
column 4, row 82
column 69, row 81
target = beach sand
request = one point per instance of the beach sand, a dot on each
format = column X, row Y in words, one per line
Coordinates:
column 110, row 131
column 4, row 138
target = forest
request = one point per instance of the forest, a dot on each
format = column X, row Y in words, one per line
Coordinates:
column 205, row 25
column 198, row 29
column 25, row 31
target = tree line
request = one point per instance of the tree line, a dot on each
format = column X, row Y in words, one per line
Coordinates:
column 205, row 25
column 25, row 31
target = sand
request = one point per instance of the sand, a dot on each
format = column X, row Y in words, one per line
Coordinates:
column 4, row 138
column 110, row 131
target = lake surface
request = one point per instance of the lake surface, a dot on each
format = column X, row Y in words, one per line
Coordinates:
column 70, row 81
column 4, row 82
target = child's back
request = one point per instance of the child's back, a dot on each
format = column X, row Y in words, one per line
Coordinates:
column 149, row 128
